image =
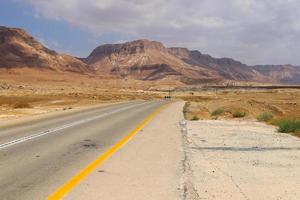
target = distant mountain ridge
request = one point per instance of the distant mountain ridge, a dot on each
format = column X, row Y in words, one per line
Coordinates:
column 139, row 59
column 226, row 68
column 285, row 74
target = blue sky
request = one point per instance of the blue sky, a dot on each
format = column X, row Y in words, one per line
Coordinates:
column 55, row 34
column 252, row 31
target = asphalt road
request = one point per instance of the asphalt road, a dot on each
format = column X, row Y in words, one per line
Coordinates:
column 37, row 157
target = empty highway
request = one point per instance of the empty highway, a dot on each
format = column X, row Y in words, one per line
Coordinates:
column 36, row 157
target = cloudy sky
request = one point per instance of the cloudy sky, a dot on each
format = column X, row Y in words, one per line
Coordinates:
column 253, row 31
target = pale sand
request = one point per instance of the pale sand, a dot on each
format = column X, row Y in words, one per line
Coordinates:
column 241, row 160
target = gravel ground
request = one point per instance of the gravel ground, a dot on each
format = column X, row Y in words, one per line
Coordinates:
column 239, row 160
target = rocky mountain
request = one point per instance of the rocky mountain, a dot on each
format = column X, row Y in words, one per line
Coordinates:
column 146, row 60
column 286, row 74
column 151, row 60
column 19, row 49
column 226, row 68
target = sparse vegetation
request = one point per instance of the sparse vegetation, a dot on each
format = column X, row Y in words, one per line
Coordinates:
column 185, row 109
column 21, row 105
column 195, row 118
column 265, row 116
column 218, row 111
column 281, row 103
column 239, row 114
column 288, row 125
column 67, row 108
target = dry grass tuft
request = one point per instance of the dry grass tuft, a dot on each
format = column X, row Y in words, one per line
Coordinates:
column 21, row 105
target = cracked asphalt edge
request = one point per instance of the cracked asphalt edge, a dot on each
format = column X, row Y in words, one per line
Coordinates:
column 188, row 190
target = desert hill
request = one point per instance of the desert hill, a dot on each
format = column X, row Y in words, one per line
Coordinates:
column 285, row 74
column 151, row 60
column 226, row 68
column 146, row 60
column 19, row 49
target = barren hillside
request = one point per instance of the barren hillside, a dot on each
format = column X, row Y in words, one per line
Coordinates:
column 286, row 74
column 226, row 68
column 146, row 60
column 19, row 49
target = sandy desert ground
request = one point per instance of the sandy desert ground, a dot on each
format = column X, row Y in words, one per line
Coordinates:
column 282, row 103
column 278, row 103
column 23, row 92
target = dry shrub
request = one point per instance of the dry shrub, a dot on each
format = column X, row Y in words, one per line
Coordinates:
column 21, row 105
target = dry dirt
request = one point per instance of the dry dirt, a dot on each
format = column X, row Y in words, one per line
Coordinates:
column 284, row 103
column 20, row 105
column 24, row 91
column 240, row 160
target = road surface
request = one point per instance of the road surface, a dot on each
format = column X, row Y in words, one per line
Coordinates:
column 37, row 157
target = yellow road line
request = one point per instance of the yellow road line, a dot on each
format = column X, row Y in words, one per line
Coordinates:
column 75, row 180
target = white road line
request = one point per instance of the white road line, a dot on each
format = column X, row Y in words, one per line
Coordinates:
column 53, row 130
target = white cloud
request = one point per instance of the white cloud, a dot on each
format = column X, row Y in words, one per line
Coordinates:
column 254, row 31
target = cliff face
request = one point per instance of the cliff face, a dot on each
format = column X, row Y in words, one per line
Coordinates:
column 19, row 49
column 128, row 48
column 226, row 68
column 150, row 60
column 145, row 60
